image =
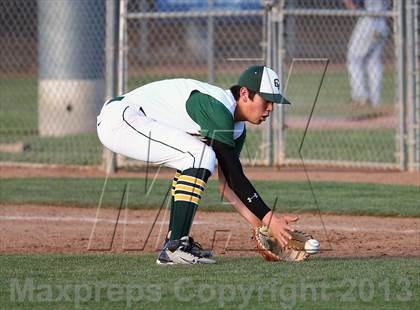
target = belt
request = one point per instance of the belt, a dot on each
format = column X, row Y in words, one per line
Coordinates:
column 119, row 98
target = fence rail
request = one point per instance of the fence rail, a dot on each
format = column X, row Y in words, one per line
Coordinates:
column 163, row 15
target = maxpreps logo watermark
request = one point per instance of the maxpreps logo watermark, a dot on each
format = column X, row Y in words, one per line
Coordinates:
column 183, row 290
column 186, row 290
column 28, row 291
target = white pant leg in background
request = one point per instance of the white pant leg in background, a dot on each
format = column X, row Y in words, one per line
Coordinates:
column 364, row 59
column 127, row 131
column 374, row 73
column 374, row 65
column 358, row 49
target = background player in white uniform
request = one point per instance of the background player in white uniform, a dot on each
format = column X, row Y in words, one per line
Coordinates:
column 365, row 50
column 166, row 122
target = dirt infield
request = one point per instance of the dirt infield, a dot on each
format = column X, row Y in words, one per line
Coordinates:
column 45, row 229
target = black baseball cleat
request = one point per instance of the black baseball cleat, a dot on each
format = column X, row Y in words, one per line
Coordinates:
column 197, row 249
column 183, row 251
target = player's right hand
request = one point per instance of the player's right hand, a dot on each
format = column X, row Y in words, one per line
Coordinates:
column 279, row 226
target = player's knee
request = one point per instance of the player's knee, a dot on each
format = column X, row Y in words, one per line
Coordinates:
column 200, row 157
column 203, row 157
column 207, row 159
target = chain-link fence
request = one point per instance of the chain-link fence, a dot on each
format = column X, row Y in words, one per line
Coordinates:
column 416, row 25
column 367, row 112
column 53, row 70
column 52, row 80
column 211, row 41
column 355, row 120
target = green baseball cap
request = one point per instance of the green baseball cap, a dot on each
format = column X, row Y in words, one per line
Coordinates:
column 265, row 82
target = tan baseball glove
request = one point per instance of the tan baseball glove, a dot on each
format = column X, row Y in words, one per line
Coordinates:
column 272, row 250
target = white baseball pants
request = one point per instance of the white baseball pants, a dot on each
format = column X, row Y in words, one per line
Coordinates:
column 364, row 57
column 128, row 131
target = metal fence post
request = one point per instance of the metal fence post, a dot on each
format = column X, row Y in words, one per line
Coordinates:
column 410, row 115
column 275, row 149
column 280, row 127
column 210, row 44
column 122, row 47
column 111, row 69
column 268, row 132
column 416, row 10
column 401, row 82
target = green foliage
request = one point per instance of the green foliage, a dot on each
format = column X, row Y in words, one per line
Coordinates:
column 340, row 198
column 118, row 281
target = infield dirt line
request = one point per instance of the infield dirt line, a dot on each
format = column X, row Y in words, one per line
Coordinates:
column 50, row 229
column 82, row 219
column 62, row 218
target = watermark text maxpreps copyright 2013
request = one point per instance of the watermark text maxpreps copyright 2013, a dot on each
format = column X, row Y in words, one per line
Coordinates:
column 186, row 290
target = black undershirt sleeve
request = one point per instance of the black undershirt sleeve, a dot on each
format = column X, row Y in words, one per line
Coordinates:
column 232, row 169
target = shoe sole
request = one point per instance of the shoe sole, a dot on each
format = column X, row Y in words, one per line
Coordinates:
column 179, row 260
column 160, row 263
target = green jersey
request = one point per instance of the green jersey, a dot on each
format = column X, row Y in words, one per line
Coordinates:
column 195, row 107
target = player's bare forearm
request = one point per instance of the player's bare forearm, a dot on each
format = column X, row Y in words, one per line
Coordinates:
column 234, row 200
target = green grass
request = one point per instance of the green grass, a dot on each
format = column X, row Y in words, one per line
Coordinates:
column 367, row 145
column 301, row 90
column 359, row 145
column 374, row 145
column 119, row 281
column 19, row 121
column 339, row 198
column 18, row 96
column 19, row 124
column 81, row 149
column 18, row 105
column 334, row 95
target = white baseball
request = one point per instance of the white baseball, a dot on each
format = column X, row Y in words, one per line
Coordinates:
column 312, row 246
